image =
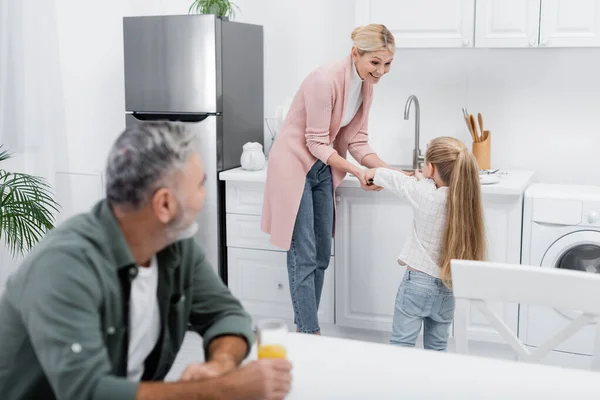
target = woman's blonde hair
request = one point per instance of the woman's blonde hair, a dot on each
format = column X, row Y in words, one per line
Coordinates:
column 464, row 234
column 373, row 37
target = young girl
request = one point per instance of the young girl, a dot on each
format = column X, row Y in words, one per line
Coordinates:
column 448, row 224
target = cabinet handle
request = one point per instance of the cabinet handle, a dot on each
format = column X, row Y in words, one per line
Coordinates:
column 280, row 286
column 338, row 198
column 544, row 42
column 465, row 42
column 532, row 43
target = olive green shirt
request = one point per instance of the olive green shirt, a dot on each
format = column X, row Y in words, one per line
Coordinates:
column 64, row 313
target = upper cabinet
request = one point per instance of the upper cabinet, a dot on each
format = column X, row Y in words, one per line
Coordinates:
column 570, row 23
column 537, row 23
column 507, row 23
column 486, row 23
column 422, row 23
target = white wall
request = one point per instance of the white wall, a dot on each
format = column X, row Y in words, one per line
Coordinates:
column 541, row 105
column 91, row 48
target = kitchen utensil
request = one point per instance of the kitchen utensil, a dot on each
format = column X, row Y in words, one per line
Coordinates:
column 474, row 128
column 473, row 135
column 466, row 116
column 488, row 171
column 480, row 119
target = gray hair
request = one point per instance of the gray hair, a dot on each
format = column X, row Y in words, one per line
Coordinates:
column 142, row 159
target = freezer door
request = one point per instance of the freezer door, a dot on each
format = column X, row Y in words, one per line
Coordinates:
column 209, row 232
column 171, row 64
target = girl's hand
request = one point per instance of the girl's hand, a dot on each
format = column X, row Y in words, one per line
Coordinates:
column 419, row 175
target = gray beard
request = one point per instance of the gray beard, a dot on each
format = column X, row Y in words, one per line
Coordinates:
column 177, row 234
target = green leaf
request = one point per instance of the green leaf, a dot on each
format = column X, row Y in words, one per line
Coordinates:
column 4, row 155
column 220, row 8
column 26, row 210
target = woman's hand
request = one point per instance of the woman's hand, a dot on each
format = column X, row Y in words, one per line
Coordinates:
column 365, row 177
column 370, row 175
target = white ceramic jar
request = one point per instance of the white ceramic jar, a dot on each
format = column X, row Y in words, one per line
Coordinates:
column 253, row 158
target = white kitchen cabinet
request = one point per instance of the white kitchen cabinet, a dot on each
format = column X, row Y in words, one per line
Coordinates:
column 503, row 221
column 257, row 270
column 507, row 23
column 244, row 198
column 243, row 231
column 370, row 231
column 537, row 23
column 570, row 23
column 362, row 280
column 259, row 279
column 423, row 23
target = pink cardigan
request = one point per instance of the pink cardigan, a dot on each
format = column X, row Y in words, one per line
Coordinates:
column 312, row 123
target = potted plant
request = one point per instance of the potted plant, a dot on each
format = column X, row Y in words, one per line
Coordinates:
column 224, row 9
column 26, row 209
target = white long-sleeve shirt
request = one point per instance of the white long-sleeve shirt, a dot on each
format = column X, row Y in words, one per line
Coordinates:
column 423, row 249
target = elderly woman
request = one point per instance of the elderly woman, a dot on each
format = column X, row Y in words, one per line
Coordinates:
column 328, row 117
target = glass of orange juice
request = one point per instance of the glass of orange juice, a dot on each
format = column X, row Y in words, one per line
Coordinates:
column 271, row 338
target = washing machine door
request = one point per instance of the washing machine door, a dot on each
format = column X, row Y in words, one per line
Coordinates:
column 579, row 251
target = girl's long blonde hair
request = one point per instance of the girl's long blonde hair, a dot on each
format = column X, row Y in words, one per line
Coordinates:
column 464, row 234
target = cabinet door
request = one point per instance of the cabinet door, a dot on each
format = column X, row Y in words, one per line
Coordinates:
column 503, row 227
column 259, row 279
column 570, row 23
column 243, row 231
column 371, row 228
column 423, row 23
column 507, row 23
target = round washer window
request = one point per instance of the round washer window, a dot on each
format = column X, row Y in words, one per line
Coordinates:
column 577, row 251
column 583, row 257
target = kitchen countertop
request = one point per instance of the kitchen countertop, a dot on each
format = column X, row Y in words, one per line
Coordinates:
column 512, row 182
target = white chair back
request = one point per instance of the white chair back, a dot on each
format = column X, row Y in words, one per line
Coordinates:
column 475, row 283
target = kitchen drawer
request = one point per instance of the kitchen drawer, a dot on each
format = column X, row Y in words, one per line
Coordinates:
column 259, row 279
column 244, row 231
column 244, row 197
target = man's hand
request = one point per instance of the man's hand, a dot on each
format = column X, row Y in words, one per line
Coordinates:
column 225, row 353
column 211, row 369
column 268, row 379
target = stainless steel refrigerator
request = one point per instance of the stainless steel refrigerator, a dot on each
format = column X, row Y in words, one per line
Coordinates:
column 206, row 72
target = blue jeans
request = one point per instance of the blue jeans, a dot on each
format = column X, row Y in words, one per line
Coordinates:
column 422, row 299
column 310, row 250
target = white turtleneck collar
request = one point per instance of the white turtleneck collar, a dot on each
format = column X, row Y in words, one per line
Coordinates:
column 356, row 79
column 354, row 96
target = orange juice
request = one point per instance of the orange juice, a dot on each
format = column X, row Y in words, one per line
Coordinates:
column 271, row 351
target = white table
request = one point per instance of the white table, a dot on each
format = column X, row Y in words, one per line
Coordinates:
column 333, row 368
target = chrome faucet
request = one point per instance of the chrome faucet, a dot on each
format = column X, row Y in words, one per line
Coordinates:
column 418, row 159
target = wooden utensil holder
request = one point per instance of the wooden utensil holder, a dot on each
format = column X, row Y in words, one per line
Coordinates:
column 481, row 151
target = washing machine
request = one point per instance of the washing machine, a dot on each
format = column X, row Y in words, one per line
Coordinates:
column 561, row 229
